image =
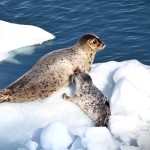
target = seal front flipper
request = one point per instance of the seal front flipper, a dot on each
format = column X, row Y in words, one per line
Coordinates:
column 73, row 98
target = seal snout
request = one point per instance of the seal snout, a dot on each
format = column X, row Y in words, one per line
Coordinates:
column 103, row 45
column 82, row 78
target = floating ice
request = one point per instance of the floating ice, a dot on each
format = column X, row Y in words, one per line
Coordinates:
column 36, row 125
column 14, row 36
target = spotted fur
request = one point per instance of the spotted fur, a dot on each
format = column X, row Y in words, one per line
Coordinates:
column 90, row 99
column 52, row 71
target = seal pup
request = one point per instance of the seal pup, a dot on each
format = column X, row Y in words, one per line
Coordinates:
column 52, row 71
column 90, row 99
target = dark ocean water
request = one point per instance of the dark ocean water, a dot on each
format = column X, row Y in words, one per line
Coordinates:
column 123, row 25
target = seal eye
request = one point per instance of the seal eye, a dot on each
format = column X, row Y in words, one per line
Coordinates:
column 94, row 42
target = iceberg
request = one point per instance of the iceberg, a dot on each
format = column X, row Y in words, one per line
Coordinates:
column 14, row 36
column 56, row 124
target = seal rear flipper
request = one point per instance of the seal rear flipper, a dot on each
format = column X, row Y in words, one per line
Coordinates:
column 6, row 95
column 4, row 98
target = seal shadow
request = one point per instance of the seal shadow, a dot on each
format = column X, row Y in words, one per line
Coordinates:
column 109, row 87
column 36, row 136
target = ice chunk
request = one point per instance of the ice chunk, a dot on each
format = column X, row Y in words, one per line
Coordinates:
column 128, row 100
column 120, row 125
column 14, row 36
column 127, row 129
column 137, row 74
column 103, row 78
column 144, row 141
column 98, row 139
column 22, row 148
column 55, row 137
column 31, row 145
column 78, row 131
column 77, row 144
column 129, row 148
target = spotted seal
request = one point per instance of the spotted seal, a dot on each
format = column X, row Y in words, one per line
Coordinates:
column 52, row 71
column 90, row 99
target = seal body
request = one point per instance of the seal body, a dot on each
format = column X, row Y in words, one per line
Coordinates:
column 52, row 71
column 90, row 99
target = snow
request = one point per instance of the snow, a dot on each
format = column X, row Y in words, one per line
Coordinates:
column 31, row 145
column 121, row 99
column 14, row 36
column 60, row 134
column 131, row 71
column 98, row 138
column 144, row 141
column 56, row 124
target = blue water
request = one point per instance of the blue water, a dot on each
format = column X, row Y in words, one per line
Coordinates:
column 123, row 25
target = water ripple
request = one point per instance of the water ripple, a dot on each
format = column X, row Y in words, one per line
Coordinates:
column 123, row 25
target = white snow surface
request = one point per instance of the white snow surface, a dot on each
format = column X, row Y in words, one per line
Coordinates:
column 14, row 36
column 56, row 124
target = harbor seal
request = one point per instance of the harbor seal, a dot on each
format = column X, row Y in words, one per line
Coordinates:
column 52, row 71
column 90, row 99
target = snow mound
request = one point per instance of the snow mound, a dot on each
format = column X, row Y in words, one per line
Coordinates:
column 134, row 73
column 56, row 124
column 98, row 138
column 144, row 141
column 60, row 139
column 14, row 36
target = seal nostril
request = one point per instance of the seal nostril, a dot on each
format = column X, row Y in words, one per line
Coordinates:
column 103, row 44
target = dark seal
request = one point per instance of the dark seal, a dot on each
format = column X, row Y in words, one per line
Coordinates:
column 90, row 99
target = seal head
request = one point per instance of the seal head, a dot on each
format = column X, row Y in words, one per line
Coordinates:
column 92, row 41
column 81, row 78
